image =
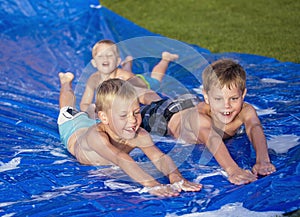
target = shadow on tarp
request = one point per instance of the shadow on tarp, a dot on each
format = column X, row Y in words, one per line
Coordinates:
column 38, row 177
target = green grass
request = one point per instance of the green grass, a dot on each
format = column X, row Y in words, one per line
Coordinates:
column 263, row 27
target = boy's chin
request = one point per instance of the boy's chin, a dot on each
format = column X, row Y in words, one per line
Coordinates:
column 129, row 135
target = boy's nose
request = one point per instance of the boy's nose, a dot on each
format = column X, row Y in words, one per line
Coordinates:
column 132, row 118
column 227, row 104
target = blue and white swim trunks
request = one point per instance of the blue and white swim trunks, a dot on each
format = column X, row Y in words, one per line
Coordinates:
column 71, row 120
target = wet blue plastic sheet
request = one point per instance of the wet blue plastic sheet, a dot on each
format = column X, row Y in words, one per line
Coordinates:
column 38, row 177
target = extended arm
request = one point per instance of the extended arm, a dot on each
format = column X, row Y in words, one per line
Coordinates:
column 106, row 150
column 216, row 146
column 256, row 136
column 165, row 164
column 88, row 95
column 203, row 130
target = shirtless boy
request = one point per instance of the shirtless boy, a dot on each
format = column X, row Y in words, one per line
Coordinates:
column 106, row 59
column 219, row 117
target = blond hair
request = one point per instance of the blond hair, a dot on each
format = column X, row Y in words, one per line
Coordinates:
column 104, row 41
column 224, row 72
column 112, row 89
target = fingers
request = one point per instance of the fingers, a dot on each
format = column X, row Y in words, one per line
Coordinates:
column 190, row 186
column 172, row 190
column 163, row 191
column 264, row 169
column 242, row 177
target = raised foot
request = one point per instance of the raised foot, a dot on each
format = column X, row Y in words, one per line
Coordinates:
column 65, row 77
column 169, row 56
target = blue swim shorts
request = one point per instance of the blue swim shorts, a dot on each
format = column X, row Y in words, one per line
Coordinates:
column 71, row 120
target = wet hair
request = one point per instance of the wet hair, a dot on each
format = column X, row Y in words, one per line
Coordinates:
column 104, row 41
column 113, row 89
column 224, row 73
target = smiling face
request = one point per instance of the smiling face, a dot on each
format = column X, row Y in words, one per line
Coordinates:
column 105, row 58
column 224, row 89
column 225, row 103
column 124, row 117
column 118, row 108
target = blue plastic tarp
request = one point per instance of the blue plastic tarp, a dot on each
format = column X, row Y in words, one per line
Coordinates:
column 38, row 177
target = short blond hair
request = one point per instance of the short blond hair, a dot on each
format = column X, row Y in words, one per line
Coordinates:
column 111, row 89
column 224, row 72
column 104, row 41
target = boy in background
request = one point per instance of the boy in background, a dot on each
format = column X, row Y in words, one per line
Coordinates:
column 106, row 59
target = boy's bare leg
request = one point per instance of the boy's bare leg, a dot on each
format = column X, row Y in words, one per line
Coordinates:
column 67, row 97
column 160, row 69
column 127, row 64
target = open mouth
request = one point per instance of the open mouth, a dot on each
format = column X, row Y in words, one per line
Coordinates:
column 226, row 113
column 131, row 129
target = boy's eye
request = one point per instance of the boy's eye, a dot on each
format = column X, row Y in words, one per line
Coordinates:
column 218, row 99
column 234, row 98
column 137, row 112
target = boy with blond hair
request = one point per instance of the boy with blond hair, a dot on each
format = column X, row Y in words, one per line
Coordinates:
column 106, row 58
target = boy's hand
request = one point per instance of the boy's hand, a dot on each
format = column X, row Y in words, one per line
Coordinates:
column 181, row 183
column 187, row 185
column 162, row 191
column 240, row 176
column 263, row 168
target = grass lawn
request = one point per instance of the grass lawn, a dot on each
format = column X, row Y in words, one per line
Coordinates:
column 263, row 27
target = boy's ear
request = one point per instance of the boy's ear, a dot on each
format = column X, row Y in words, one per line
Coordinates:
column 103, row 117
column 93, row 63
column 205, row 96
column 244, row 94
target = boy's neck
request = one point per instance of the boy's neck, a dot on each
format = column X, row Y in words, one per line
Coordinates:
column 105, row 77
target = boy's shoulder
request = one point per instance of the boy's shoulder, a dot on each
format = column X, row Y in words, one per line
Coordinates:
column 203, row 108
column 248, row 111
column 247, row 107
column 94, row 79
column 95, row 75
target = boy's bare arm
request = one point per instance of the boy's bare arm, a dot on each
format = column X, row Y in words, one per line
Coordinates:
column 216, row 146
column 88, row 95
column 257, row 137
column 100, row 144
column 165, row 164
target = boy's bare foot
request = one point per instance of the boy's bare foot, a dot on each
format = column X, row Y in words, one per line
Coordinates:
column 65, row 77
column 127, row 63
column 169, row 56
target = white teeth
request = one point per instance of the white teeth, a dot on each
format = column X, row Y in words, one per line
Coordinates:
column 226, row 113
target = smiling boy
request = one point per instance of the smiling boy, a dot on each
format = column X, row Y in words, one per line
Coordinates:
column 106, row 59
column 219, row 117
